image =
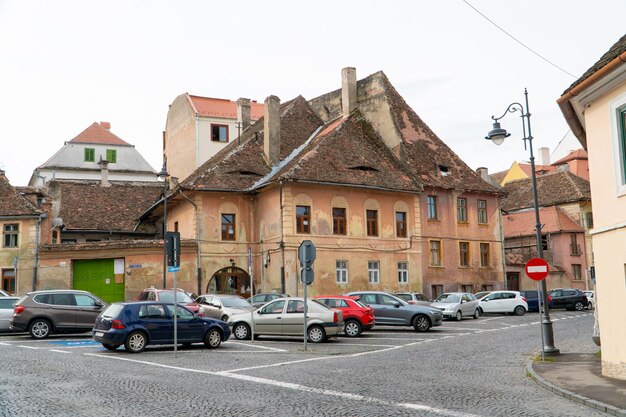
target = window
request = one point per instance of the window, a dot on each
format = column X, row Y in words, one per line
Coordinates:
column 10, row 232
column 467, row 288
column 574, row 247
column 303, row 219
column 481, row 208
column 486, row 287
column 432, row 207
column 387, row 300
column 84, row 300
column 228, row 226
column 219, row 133
column 152, row 312
column 176, row 227
column 90, row 155
column 461, row 210
column 341, row 272
column 339, row 221
column 403, row 272
column 400, row 224
column 435, row 252
column 589, row 219
column 576, row 272
column 8, row 280
column 274, row 308
column 484, row 255
column 621, row 133
column 464, row 259
column 295, row 306
column 372, row 222
column 373, row 272
column 436, row 291
column 112, row 156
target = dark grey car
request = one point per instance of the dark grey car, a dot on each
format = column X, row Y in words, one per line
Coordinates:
column 56, row 311
column 390, row 310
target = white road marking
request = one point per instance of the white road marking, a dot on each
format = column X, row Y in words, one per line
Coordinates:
column 257, row 346
column 28, row 347
column 5, row 344
column 59, row 351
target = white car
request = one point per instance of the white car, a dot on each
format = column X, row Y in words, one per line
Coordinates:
column 456, row 305
column 591, row 297
column 6, row 312
column 510, row 302
column 222, row 306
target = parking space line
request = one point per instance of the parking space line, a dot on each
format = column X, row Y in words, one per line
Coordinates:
column 5, row 344
column 28, row 347
column 367, row 344
column 260, row 347
column 59, row 351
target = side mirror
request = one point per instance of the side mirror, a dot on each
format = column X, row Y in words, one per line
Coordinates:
column 396, row 304
column 98, row 304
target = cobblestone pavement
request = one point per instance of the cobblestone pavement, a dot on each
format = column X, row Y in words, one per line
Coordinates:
column 461, row 369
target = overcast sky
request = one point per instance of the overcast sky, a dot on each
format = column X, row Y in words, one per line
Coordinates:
column 67, row 64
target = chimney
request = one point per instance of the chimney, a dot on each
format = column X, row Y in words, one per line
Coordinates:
column 348, row 90
column 104, row 170
column 173, row 182
column 544, row 156
column 271, row 130
column 243, row 112
column 106, row 125
column 483, row 172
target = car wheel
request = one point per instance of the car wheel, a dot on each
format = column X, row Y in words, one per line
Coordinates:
column 241, row 331
column 476, row 313
column 352, row 328
column 421, row 323
column 224, row 318
column 213, row 339
column 579, row 306
column 40, row 329
column 110, row 347
column 519, row 311
column 135, row 342
column 316, row 334
column 459, row 316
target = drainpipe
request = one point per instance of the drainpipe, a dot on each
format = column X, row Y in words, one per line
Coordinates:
column 199, row 276
column 38, row 224
column 282, row 242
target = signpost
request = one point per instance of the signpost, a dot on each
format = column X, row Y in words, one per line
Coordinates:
column 537, row 269
column 306, row 256
column 172, row 246
column 251, row 290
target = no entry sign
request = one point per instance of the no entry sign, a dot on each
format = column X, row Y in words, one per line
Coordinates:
column 537, row 269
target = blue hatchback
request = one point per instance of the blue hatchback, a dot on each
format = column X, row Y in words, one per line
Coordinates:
column 138, row 324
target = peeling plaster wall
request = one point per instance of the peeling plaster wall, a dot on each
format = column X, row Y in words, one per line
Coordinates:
column 180, row 143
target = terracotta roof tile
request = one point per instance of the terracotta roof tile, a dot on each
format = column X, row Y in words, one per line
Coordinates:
column 98, row 134
column 219, row 107
column 553, row 219
column 573, row 155
column 12, row 202
column 552, row 189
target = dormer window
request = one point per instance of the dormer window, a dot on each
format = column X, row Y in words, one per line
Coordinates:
column 443, row 170
column 112, row 156
column 90, row 155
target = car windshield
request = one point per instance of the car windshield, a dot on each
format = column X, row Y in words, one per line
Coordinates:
column 168, row 297
column 448, row 298
column 234, row 302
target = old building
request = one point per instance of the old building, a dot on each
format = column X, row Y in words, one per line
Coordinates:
column 595, row 109
column 387, row 203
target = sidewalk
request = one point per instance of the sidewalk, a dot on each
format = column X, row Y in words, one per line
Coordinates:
column 578, row 377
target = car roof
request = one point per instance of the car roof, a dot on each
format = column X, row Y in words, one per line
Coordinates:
column 343, row 297
column 58, row 291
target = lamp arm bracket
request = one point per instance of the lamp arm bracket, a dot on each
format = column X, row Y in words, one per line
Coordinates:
column 511, row 109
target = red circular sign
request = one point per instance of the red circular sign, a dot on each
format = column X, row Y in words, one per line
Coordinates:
column 537, row 269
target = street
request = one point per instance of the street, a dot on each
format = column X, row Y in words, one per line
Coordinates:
column 467, row 368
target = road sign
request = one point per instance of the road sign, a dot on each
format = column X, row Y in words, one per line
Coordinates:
column 172, row 244
column 537, row 269
column 306, row 256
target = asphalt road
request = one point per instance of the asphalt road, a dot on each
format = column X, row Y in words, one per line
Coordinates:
column 467, row 368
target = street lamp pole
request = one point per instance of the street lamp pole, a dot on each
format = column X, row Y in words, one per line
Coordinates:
column 497, row 135
column 163, row 174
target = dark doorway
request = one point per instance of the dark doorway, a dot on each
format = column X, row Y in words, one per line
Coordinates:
column 230, row 280
column 512, row 281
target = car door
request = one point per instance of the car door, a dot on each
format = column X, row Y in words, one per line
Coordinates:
column 468, row 305
column 293, row 318
column 392, row 310
column 63, row 310
column 373, row 301
column 189, row 327
column 509, row 302
column 268, row 319
column 212, row 307
column 87, row 309
column 557, row 299
column 489, row 304
column 158, row 323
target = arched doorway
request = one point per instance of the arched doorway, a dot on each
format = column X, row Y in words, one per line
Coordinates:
column 230, row 280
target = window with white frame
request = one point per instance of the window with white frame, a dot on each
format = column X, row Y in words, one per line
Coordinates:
column 373, row 272
column 341, row 272
column 403, row 272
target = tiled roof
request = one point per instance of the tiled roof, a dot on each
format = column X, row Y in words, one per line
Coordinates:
column 573, row 155
column 538, row 168
column 219, row 107
column 12, row 203
column 499, row 176
column 100, row 135
column 553, row 219
column 552, row 189
column 86, row 205
column 618, row 48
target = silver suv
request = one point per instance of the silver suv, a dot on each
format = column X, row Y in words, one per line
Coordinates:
column 56, row 311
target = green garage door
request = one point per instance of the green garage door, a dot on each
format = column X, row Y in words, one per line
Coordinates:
column 96, row 276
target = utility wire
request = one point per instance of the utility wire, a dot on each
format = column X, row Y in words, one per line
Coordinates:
column 518, row 41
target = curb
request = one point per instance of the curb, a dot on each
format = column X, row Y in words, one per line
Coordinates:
column 561, row 392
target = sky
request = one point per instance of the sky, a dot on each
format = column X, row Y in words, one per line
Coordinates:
column 67, row 64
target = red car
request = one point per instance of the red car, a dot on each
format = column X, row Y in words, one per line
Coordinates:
column 167, row 296
column 356, row 315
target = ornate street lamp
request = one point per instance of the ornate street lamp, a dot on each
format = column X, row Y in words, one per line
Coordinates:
column 163, row 174
column 497, row 135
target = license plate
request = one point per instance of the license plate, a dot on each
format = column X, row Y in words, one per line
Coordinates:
column 99, row 334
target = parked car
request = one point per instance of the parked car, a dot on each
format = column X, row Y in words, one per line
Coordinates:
column 356, row 315
column 413, row 298
column 591, row 298
column 263, row 298
column 285, row 317
column 222, row 306
column 532, row 299
column 4, row 293
column 56, row 311
column 139, row 324
column 6, row 312
column 167, row 296
column 390, row 310
column 481, row 294
column 567, row 298
column 457, row 304
column 510, row 302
